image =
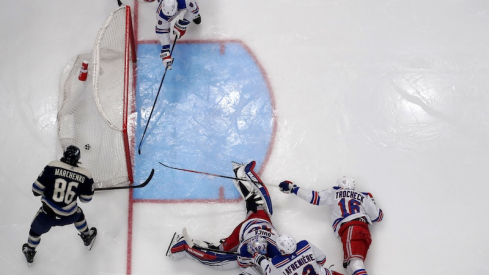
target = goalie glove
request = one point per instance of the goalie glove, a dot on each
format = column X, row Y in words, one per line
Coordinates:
column 287, row 187
column 166, row 58
column 180, row 28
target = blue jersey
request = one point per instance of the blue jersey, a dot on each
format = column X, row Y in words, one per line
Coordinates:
column 61, row 184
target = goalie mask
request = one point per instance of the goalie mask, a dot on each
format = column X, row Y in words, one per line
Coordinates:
column 286, row 244
column 346, row 182
column 71, row 155
column 169, row 7
column 257, row 245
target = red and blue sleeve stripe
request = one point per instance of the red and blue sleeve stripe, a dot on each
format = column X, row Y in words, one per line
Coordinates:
column 380, row 217
column 315, row 198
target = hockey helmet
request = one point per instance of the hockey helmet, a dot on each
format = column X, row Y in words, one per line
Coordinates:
column 71, row 155
column 346, row 182
column 257, row 244
column 286, row 244
column 169, row 7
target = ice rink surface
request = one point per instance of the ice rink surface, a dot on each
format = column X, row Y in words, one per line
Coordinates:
column 391, row 93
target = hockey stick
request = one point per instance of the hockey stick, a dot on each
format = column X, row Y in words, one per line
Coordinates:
column 213, row 175
column 156, row 99
column 130, row 186
column 191, row 244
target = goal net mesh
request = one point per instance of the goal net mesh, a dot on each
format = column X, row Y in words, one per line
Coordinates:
column 95, row 115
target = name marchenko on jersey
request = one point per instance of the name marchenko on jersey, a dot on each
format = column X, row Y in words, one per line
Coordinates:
column 68, row 174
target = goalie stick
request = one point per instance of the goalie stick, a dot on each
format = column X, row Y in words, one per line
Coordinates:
column 212, row 175
column 130, row 186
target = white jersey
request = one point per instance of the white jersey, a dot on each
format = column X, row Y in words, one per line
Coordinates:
column 307, row 259
column 345, row 204
column 163, row 22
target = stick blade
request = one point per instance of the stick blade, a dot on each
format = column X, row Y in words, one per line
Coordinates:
column 130, row 186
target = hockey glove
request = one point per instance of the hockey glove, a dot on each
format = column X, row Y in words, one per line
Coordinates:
column 287, row 187
column 258, row 258
column 197, row 19
column 166, row 58
column 180, row 28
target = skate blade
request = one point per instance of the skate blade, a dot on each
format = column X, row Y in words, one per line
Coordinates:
column 91, row 244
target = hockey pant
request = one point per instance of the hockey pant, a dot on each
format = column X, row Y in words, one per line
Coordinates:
column 232, row 242
column 356, row 240
column 43, row 222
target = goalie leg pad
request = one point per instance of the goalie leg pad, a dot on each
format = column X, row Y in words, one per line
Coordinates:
column 177, row 248
column 190, row 248
column 261, row 190
column 244, row 187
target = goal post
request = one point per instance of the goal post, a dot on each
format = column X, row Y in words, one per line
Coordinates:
column 97, row 115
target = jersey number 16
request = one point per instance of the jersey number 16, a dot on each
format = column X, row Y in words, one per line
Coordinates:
column 349, row 207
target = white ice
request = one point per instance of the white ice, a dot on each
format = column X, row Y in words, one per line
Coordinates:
column 392, row 93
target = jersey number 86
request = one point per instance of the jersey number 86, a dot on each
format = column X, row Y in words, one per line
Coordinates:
column 63, row 191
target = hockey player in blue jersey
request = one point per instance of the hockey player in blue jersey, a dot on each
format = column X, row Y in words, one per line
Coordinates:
column 167, row 11
column 352, row 213
column 59, row 185
column 255, row 234
column 295, row 258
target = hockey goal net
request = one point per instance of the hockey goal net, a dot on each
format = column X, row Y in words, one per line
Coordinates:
column 96, row 115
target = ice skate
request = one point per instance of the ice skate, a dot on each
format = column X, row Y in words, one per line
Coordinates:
column 29, row 253
column 89, row 237
column 176, row 249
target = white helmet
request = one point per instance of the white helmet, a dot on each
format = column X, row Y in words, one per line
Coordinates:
column 169, row 7
column 286, row 244
column 346, row 182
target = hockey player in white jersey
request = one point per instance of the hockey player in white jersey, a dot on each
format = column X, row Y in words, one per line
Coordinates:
column 295, row 258
column 167, row 11
column 351, row 214
column 255, row 234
